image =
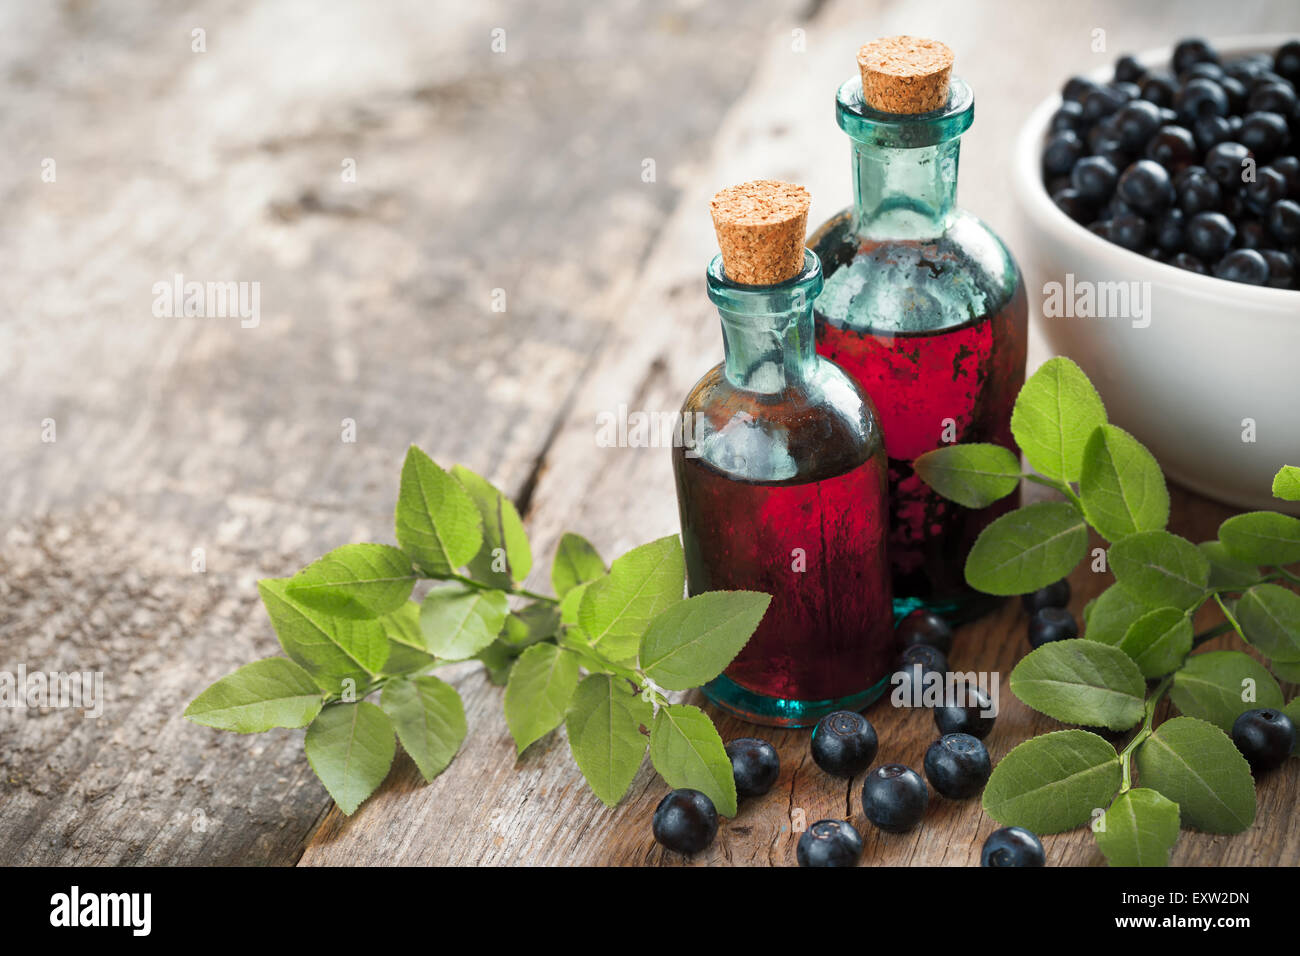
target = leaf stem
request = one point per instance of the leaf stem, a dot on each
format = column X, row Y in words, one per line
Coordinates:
column 1210, row 634
column 480, row 586
column 1294, row 579
column 1232, row 620
column 1062, row 486
column 1148, row 716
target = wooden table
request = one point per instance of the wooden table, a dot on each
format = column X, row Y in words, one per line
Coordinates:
column 475, row 171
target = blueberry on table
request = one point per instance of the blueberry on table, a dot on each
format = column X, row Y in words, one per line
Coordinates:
column 685, row 821
column 755, row 765
column 1243, row 265
column 1173, row 147
column 829, row 843
column 844, row 743
column 1050, row 624
column 1209, row 131
column 1272, row 97
column 924, row 626
column 1191, row 51
column 971, row 713
column 894, row 798
column 1286, row 61
column 1224, row 163
column 1210, row 235
column 1146, row 186
column 1159, row 88
column 1012, row 846
column 1064, row 149
column 1265, row 736
column 1284, row 221
column 927, row 656
column 1200, row 97
column 1056, row 594
column 1094, row 179
column 957, row 766
column 1265, row 134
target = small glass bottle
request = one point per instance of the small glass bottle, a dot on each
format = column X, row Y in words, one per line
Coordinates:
column 783, row 490
column 923, row 305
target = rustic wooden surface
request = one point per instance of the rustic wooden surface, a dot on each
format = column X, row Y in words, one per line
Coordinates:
column 476, row 171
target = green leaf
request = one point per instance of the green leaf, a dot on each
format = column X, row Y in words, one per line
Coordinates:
column 687, row 751
column 1196, row 766
column 351, row 747
column 1158, row 641
column 1292, row 710
column 1122, row 488
column 1227, row 571
column 1286, row 483
column 1160, row 569
column 1027, row 549
column 1139, row 829
column 617, row 609
column 406, row 649
column 270, row 693
column 1218, row 686
column 459, row 621
column 1053, row 782
column 356, row 581
column 530, row 624
column 571, row 604
column 1262, row 537
column 330, row 649
column 430, row 721
column 1269, row 616
column 437, row 522
column 498, row 660
column 1081, row 682
column 974, row 475
column 1055, row 413
column 505, row 555
column 541, row 685
column 1289, row 672
column 694, row 640
column 1113, row 612
column 576, row 562
column 604, row 727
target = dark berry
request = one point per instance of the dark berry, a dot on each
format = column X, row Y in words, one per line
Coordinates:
column 844, row 743
column 1136, row 123
column 969, row 712
column 1056, row 594
column 1168, row 230
column 1243, row 265
column 928, row 657
column 1050, row 624
column 1064, row 149
column 1289, row 167
column 1172, row 147
column 1128, row 70
column 1125, row 90
column 1264, row 134
column 1287, row 61
column 1200, row 97
column 1269, row 186
column 1206, row 69
column 924, row 626
column 1272, row 97
column 1094, row 179
column 1159, row 89
column 894, row 798
column 754, row 764
column 829, row 843
column 1072, row 204
column 957, row 766
column 1251, row 234
column 1210, row 235
column 1185, row 260
column 1281, row 269
column 1103, row 101
column 1224, row 163
column 1237, row 93
column 1012, row 846
column 1146, row 186
column 1210, row 131
column 1068, row 117
column 1265, row 737
column 1197, row 192
column 1130, row 231
column 685, row 821
column 1284, row 221
column 1191, row 51
column 1077, row 87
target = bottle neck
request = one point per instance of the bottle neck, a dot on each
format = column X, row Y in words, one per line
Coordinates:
column 768, row 331
column 904, row 193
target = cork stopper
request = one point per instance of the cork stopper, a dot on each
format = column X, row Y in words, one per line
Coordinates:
column 760, row 227
column 905, row 74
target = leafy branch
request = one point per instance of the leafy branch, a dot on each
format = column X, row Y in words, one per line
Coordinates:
column 601, row 657
column 1136, row 631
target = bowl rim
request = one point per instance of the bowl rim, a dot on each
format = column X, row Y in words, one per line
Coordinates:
column 1032, row 192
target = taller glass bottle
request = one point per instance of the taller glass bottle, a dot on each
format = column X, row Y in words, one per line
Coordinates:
column 783, row 491
column 923, row 305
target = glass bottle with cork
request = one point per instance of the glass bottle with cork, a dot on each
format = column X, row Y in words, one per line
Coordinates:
column 783, row 489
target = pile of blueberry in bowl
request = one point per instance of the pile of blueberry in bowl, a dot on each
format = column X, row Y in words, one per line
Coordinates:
column 1196, row 164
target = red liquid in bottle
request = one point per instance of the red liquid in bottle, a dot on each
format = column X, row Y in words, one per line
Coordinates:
column 818, row 547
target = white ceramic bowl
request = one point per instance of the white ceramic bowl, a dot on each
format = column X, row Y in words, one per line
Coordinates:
column 1216, row 356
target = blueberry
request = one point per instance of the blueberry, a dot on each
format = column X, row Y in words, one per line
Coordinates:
column 924, row 626
column 1281, row 268
column 1146, row 186
column 1094, row 179
column 928, row 657
column 1072, row 204
column 1251, row 234
column 957, row 766
column 1056, row 594
column 1103, row 101
column 1200, row 97
column 894, row 798
column 1168, row 230
column 1272, row 97
column 1265, row 134
column 1172, row 147
column 754, row 764
column 1050, row 624
column 1265, row 737
column 1210, row 235
column 1197, row 192
column 969, row 712
column 1191, row 51
column 1224, row 163
column 1063, row 150
column 1269, row 186
column 844, row 743
column 829, row 843
column 1130, row 231
column 1135, row 123
column 1284, row 221
column 1210, row 131
column 1185, row 260
column 1125, row 90
column 1076, row 88
column 1237, row 93
column 1207, row 69
column 1012, row 846
column 1243, row 265
column 1129, row 70
column 1287, row 61
column 1159, row 89
column 1068, row 117
column 1289, row 167
column 685, row 821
